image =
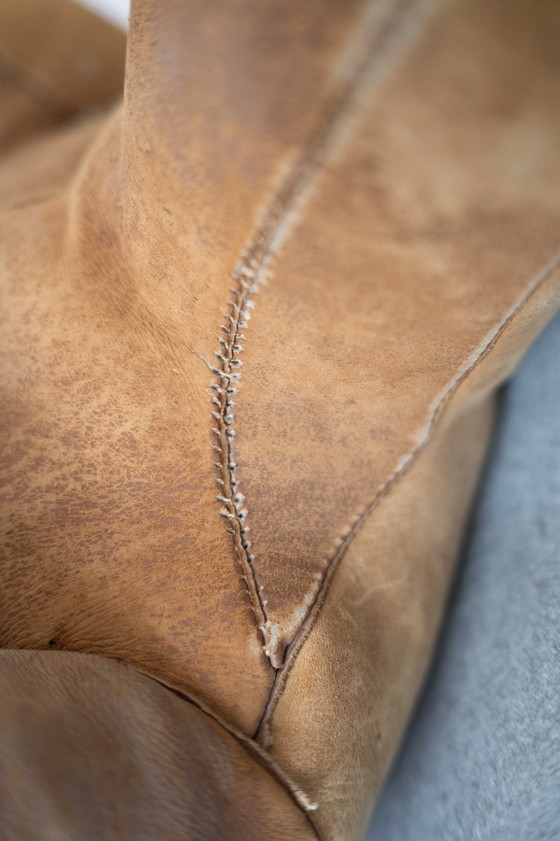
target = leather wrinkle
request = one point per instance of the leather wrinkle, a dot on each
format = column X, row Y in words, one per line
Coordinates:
column 436, row 411
column 385, row 37
column 39, row 91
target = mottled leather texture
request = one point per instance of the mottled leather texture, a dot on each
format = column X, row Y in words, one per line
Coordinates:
column 254, row 318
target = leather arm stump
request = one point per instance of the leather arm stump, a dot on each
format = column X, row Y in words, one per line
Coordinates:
column 255, row 312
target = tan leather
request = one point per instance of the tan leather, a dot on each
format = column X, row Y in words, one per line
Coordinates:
column 92, row 749
column 56, row 60
column 382, row 181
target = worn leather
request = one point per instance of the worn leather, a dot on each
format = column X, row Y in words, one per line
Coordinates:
column 290, row 271
column 90, row 748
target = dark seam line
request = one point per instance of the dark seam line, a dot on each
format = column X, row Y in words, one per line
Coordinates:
column 249, row 273
column 305, row 628
column 36, row 90
column 258, row 753
column 253, row 749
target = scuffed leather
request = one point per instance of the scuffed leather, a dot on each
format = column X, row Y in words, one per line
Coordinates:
column 368, row 194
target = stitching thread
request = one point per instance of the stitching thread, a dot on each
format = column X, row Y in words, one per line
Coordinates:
column 388, row 29
column 249, row 272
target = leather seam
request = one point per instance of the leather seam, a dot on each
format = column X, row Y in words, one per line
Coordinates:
column 435, row 412
column 388, row 30
column 256, row 751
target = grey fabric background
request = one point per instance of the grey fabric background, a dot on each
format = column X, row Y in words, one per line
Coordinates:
column 482, row 759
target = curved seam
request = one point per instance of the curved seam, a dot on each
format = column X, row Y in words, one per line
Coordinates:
column 256, row 751
column 435, row 411
column 389, row 31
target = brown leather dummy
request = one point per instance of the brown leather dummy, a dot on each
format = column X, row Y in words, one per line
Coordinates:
column 253, row 322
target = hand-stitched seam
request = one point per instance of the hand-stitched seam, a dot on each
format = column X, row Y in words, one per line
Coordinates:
column 389, row 30
column 344, row 542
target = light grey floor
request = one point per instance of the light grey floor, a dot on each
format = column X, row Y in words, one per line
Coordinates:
column 482, row 759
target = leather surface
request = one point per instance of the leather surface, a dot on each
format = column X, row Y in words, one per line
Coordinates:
column 56, row 60
column 376, row 298
column 370, row 646
column 91, row 749
column 253, row 320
